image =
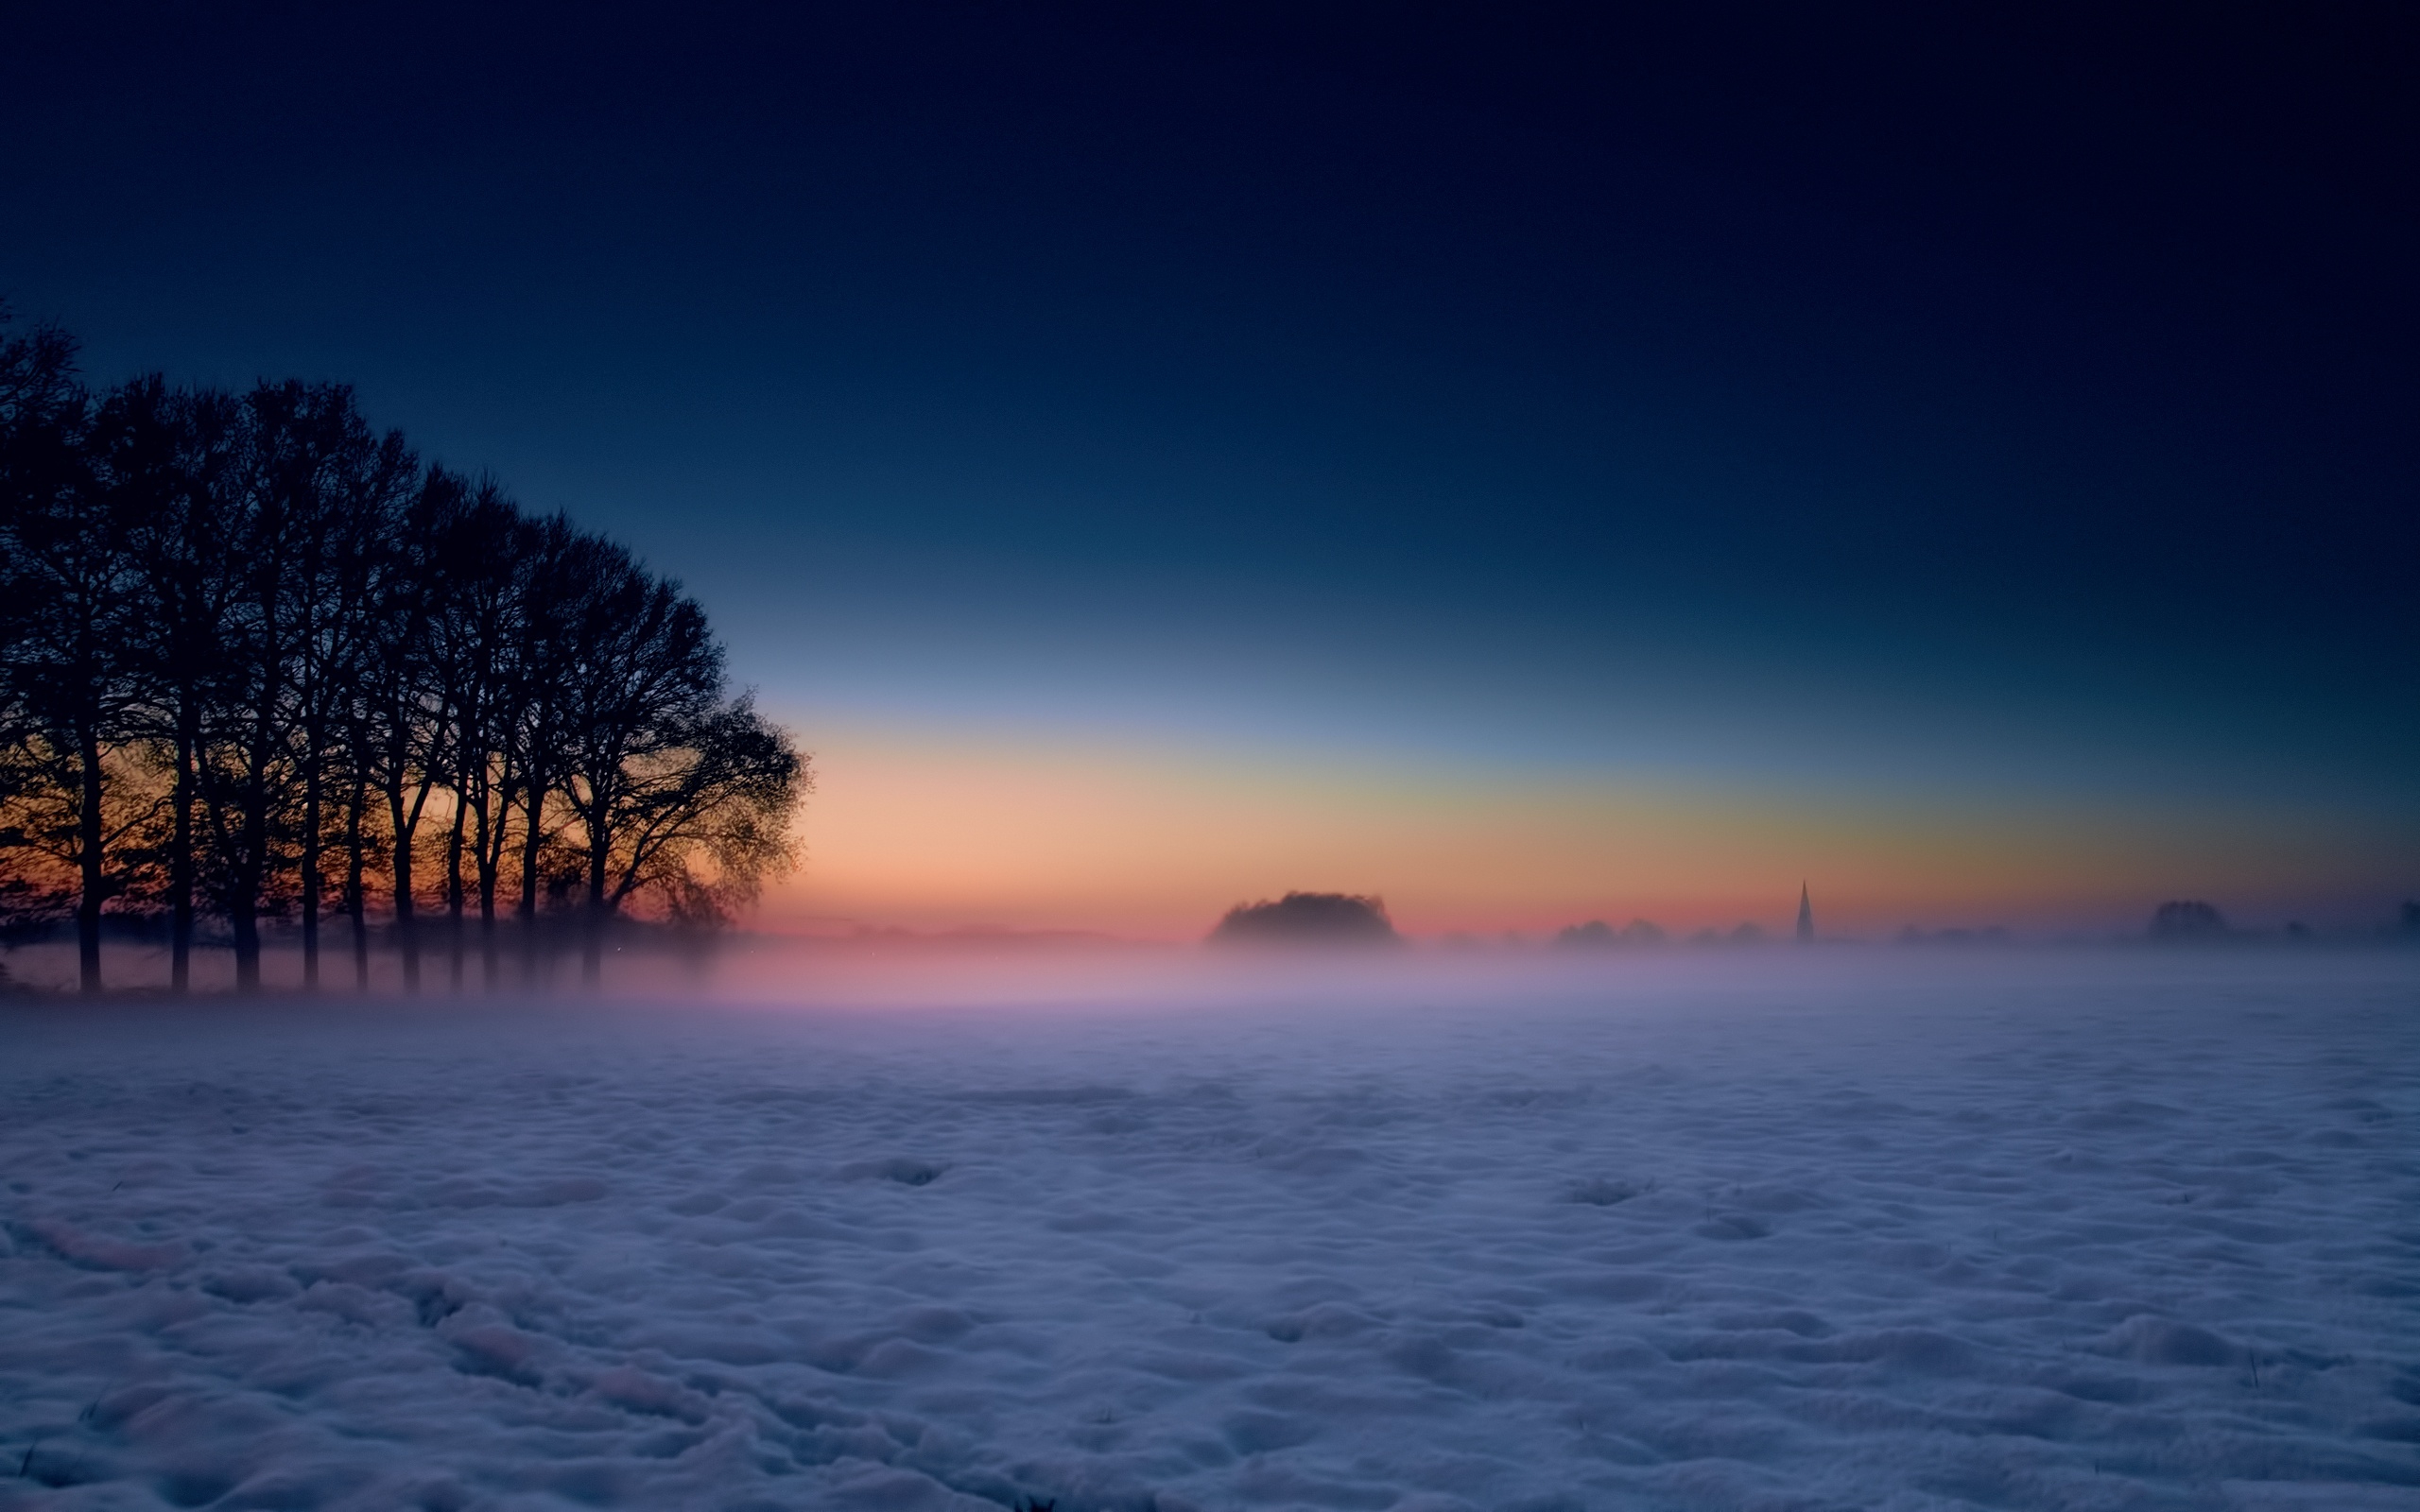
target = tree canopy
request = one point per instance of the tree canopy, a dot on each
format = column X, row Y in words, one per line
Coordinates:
column 1308, row 919
column 261, row 662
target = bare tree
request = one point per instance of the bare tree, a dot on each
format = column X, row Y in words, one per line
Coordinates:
column 472, row 608
column 66, row 574
column 560, row 569
column 310, row 464
column 644, row 671
column 492, row 628
column 37, row 385
column 677, row 789
column 707, row 823
column 244, row 769
column 409, row 707
column 169, row 460
column 363, row 484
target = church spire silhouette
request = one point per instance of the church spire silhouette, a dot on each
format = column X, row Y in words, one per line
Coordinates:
column 1806, row 916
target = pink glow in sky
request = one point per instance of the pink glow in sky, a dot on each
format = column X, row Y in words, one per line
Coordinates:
column 939, row 827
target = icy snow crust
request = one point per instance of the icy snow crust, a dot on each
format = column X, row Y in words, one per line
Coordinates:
column 2137, row 1235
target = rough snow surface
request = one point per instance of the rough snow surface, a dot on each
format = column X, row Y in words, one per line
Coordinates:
column 1827, row 1239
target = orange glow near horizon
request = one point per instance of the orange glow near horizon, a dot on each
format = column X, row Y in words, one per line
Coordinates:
column 940, row 828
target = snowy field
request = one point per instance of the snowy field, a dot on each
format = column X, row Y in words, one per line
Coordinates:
column 1873, row 1230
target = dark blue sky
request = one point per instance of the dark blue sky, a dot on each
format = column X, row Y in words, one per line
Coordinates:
column 1887, row 392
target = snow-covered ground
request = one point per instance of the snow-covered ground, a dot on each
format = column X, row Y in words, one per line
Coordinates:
column 1859, row 1231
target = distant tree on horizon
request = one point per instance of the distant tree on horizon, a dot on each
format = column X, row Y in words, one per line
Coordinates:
column 1598, row 934
column 2187, row 918
column 1308, row 919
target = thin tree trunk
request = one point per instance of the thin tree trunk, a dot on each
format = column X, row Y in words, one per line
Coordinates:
column 487, row 852
column 244, row 886
column 242, row 922
column 88, row 846
column 244, row 902
column 407, row 936
column 454, row 892
column 356, row 893
column 311, row 865
column 535, row 806
column 180, row 856
column 592, row 960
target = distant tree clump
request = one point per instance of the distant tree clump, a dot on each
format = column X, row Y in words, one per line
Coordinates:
column 1308, row 919
column 2187, row 920
column 1988, row 934
column 1747, row 932
column 261, row 662
column 1598, row 934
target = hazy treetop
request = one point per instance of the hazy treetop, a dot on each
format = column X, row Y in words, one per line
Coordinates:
column 1308, row 919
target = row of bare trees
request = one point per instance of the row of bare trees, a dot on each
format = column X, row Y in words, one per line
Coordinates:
column 258, row 661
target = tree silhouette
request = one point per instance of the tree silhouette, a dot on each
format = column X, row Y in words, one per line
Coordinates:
column 2187, row 918
column 254, row 654
column 169, row 459
column 664, row 772
column 1308, row 919
column 66, row 576
column 476, row 607
column 560, row 565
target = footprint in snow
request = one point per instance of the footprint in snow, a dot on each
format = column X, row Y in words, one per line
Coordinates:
column 1732, row 1226
column 1600, row 1192
column 906, row 1172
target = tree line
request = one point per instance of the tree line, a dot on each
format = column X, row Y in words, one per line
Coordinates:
column 259, row 661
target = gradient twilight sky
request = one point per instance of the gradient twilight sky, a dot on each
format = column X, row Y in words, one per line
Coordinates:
column 1528, row 467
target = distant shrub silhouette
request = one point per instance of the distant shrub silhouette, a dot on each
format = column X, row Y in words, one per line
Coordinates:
column 1598, row 934
column 1988, row 934
column 1747, row 932
column 1308, row 919
column 2187, row 918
